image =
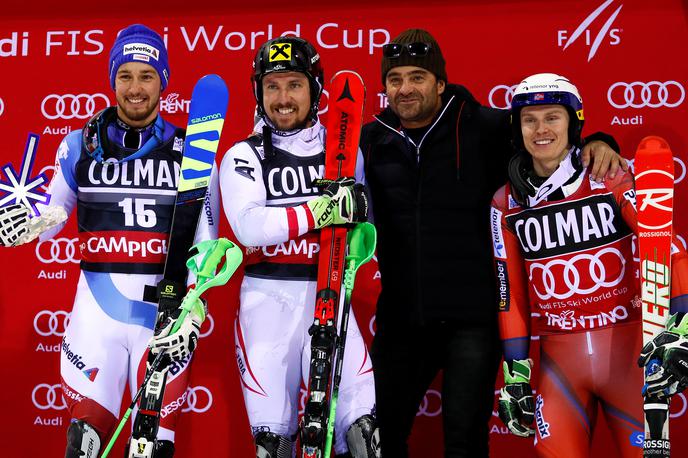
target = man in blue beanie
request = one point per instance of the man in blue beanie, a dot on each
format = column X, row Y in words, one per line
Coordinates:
column 120, row 172
column 138, row 54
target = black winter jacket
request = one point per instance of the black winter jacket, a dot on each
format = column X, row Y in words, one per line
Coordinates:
column 432, row 214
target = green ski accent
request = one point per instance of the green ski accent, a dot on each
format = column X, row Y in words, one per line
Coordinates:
column 362, row 241
column 203, row 264
column 520, row 373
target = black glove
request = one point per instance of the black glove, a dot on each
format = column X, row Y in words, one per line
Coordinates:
column 666, row 359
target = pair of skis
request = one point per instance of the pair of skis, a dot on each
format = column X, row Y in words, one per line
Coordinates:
column 347, row 94
column 654, row 185
column 207, row 113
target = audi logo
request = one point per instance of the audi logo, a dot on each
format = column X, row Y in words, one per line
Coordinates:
column 571, row 276
column 51, row 323
column 46, row 396
column 653, row 94
column 71, row 106
column 504, row 100
column 428, row 408
column 196, row 402
column 61, row 250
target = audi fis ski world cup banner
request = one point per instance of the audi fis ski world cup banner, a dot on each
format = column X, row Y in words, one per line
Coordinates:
column 625, row 56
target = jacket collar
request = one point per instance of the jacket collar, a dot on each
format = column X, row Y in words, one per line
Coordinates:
column 452, row 94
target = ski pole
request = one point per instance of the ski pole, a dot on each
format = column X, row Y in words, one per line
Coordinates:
column 205, row 258
column 362, row 242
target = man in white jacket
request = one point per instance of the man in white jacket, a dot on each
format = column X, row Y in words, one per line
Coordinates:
column 276, row 212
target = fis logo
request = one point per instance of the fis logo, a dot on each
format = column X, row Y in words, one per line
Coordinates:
column 592, row 36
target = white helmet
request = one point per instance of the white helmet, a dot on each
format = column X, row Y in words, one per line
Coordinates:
column 548, row 89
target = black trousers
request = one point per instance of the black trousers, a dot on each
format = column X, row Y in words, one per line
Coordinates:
column 406, row 359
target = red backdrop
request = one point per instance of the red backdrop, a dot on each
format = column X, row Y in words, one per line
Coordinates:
column 627, row 58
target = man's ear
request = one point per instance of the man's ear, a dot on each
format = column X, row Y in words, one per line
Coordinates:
column 440, row 87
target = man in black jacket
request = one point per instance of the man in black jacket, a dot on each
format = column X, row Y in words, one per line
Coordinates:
column 433, row 160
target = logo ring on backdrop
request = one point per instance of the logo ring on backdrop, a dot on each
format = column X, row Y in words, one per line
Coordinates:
column 508, row 96
column 53, row 398
column 302, row 401
column 52, row 326
column 425, row 409
column 683, row 408
column 71, row 106
column 193, row 402
column 682, row 165
column 639, row 94
column 49, row 171
column 62, row 250
column 571, row 276
column 683, row 241
column 211, row 327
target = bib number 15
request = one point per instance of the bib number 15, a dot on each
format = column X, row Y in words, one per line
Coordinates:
column 135, row 209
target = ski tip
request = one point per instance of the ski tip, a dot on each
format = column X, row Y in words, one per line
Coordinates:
column 346, row 73
column 213, row 83
column 347, row 84
column 653, row 143
column 212, row 77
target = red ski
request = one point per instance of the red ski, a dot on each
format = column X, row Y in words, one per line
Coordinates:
column 654, row 187
column 345, row 117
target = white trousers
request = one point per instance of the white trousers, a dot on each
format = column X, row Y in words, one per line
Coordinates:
column 273, row 354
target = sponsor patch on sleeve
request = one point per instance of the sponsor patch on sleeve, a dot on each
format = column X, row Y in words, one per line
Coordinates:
column 497, row 236
column 502, row 285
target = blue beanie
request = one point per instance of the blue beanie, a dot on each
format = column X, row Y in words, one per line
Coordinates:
column 138, row 43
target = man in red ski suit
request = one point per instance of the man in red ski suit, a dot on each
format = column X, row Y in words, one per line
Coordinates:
column 562, row 246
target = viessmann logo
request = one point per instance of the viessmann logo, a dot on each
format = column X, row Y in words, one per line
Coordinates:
column 589, row 33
